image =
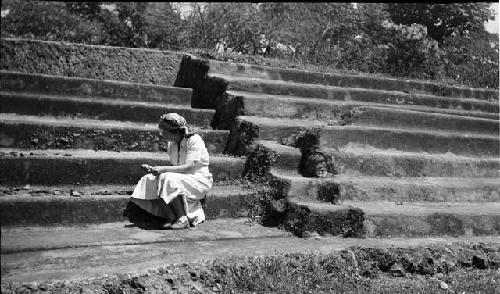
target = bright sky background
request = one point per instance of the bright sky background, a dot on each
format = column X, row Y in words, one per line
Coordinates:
column 492, row 26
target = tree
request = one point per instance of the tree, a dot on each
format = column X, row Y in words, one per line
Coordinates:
column 162, row 26
column 443, row 20
column 472, row 60
column 48, row 21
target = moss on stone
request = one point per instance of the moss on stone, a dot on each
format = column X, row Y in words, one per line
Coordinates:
column 347, row 222
column 241, row 138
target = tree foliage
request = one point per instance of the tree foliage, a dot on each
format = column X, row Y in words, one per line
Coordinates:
column 420, row 40
column 443, row 20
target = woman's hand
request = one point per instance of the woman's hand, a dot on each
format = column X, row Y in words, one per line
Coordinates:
column 157, row 170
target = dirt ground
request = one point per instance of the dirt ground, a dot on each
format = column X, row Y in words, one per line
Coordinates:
column 459, row 267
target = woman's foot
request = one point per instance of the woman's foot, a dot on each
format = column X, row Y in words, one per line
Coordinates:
column 181, row 223
column 167, row 226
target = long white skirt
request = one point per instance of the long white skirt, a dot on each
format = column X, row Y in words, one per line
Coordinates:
column 167, row 186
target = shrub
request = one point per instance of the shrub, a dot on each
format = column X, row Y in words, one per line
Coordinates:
column 472, row 60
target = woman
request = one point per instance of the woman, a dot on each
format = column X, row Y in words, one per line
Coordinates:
column 171, row 194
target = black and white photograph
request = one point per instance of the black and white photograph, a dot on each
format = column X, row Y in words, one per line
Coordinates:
column 249, row 147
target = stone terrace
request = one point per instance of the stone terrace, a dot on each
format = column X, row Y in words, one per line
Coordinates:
column 63, row 135
column 415, row 159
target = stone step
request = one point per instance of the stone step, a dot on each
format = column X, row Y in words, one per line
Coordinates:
column 86, row 167
column 82, row 87
column 359, row 161
column 384, row 218
column 32, row 254
column 46, row 132
column 275, row 87
column 276, row 129
column 299, row 107
column 412, row 140
column 351, row 81
column 38, row 205
column 98, row 108
column 358, row 114
column 24, row 239
column 355, row 161
column 395, row 189
column 377, row 116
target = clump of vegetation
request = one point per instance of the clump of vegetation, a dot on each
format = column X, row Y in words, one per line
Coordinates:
column 360, row 270
column 315, row 162
column 242, row 138
column 442, row 42
column 258, row 164
column 269, row 204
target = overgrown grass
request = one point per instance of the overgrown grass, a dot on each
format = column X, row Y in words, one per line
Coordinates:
column 454, row 268
column 332, row 273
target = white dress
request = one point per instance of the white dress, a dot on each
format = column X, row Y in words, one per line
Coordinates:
column 193, row 186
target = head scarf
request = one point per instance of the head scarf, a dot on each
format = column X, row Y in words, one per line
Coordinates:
column 174, row 121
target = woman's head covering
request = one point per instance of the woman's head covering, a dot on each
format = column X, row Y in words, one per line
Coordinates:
column 174, row 121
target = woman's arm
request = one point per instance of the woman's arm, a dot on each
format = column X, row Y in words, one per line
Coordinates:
column 184, row 168
column 174, row 168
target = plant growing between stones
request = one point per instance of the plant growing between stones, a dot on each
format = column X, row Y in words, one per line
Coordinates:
column 314, row 162
column 242, row 138
column 349, row 116
column 269, row 204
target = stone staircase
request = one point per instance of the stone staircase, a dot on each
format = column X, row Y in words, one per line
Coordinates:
column 71, row 148
column 415, row 158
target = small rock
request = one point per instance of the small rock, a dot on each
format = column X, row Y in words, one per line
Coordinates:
column 194, row 275
column 399, row 203
column 197, row 288
column 443, row 285
column 309, row 234
column 43, row 287
column 170, row 281
column 56, row 192
column 397, row 270
column 67, row 154
column 21, row 154
column 31, row 286
column 75, row 193
column 217, row 287
column 480, row 262
column 27, row 187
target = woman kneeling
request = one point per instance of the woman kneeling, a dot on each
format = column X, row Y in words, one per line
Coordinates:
column 170, row 196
